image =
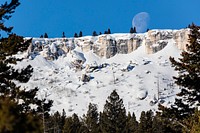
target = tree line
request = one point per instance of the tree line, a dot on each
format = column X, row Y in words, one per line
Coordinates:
column 113, row 119
column 21, row 111
column 94, row 33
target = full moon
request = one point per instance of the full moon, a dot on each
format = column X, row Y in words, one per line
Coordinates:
column 141, row 22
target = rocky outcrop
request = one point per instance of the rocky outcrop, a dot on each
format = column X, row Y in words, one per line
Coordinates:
column 108, row 45
column 181, row 38
column 152, row 48
column 105, row 46
column 156, row 40
column 156, row 35
column 128, row 45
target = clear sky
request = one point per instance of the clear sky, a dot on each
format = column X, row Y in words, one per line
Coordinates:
column 35, row 17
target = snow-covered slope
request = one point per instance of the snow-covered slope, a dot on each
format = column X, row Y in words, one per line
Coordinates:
column 137, row 76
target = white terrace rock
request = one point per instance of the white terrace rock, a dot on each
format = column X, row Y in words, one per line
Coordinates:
column 156, row 40
column 181, row 38
column 108, row 45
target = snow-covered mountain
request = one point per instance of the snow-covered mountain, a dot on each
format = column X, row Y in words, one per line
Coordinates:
column 74, row 72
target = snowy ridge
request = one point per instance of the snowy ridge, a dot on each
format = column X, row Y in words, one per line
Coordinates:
column 137, row 76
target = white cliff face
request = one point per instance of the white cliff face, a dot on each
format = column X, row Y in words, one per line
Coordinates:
column 181, row 38
column 108, row 45
column 156, row 40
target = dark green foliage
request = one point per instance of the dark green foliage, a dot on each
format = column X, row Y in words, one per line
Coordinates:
column 45, row 35
column 167, row 120
column 146, row 120
column 15, row 102
column 193, row 122
column 163, row 125
column 63, row 35
column 142, row 127
column 188, row 80
column 62, row 121
column 92, row 119
column 6, row 10
column 189, row 76
column 157, row 126
column 55, row 123
column 133, row 30
column 80, row 34
column 149, row 121
column 74, row 125
column 13, row 121
column 12, row 45
column 44, row 107
column 75, row 35
column 108, row 31
column 94, row 33
column 131, row 123
column 113, row 118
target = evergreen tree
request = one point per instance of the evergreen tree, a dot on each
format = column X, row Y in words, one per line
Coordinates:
column 55, row 123
column 80, row 34
column 43, row 108
column 188, row 81
column 41, row 36
column 13, row 121
column 149, row 121
column 131, row 30
column 63, row 35
column 45, row 35
column 11, row 45
column 94, row 33
column 131, row 124
column 171, row 124
column 189, row 76
column 63, row 117
column 6, row 10
column 134, row 30
column 100, row 33
column 75, row 35
column 92, row 118
column 109, row 32
column 106, row 32
column 74, row 125
column 15, row 102
column 142, row 127
column 194, row 122
column 157, row 125
column 114, row 115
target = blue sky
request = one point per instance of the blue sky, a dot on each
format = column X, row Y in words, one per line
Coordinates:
column 35, row 17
